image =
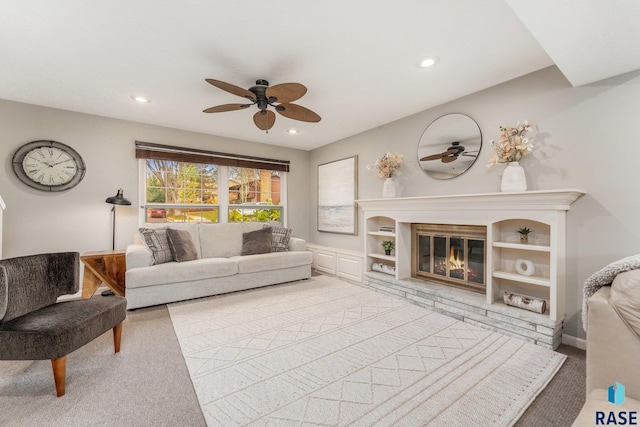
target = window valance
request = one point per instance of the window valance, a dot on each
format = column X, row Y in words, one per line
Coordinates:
column 148, row 150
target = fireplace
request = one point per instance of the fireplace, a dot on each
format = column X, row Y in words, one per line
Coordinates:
column 453, row 255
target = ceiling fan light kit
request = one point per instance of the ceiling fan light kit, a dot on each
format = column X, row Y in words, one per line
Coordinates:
column 280, row 97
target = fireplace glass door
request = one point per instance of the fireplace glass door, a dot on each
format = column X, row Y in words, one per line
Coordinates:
column 450, row 254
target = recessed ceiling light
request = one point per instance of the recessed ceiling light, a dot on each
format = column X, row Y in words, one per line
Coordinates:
column 292, row 131
column 141, row 99
column 428, row 61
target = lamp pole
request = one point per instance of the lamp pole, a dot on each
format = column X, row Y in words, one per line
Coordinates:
column 116, row 200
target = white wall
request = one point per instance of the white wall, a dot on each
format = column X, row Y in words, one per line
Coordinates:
column 588, row 139
column 79, row 219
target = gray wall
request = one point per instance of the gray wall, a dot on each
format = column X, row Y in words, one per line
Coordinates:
column 79, row 219
column 588, row 139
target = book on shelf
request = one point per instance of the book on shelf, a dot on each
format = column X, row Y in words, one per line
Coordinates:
column 386, row 229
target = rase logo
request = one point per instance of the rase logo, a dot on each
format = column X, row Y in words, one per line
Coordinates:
column 615, row 395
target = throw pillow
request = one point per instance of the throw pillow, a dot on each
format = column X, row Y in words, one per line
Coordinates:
column 156, row 240
column 279, row 238
column 181, row 245
column 256, row 242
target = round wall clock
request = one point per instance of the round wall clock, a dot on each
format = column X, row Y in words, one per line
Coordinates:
column 48, row 165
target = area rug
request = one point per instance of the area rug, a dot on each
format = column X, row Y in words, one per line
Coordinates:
column 326, row 352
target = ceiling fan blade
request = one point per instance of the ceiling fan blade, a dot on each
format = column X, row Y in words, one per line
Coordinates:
column 286, row 92
column 449, row 159
column 264, row 119
column 433, row 157
column 236, row 90
column 297, row 112
column 439, row 156
column 226, row 107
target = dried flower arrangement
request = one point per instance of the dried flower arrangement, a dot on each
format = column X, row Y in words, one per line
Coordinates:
column 386, row 165
column 513, row 144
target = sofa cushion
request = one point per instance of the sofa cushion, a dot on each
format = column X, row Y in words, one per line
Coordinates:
column 174, row 272
column 256, row 242
column 279, row 238
column 181, row 245
column 625, row 298
column 272, row 261
column 221, row 240
column 156, row 241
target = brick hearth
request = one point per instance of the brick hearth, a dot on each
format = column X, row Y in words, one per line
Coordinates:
column 472, row 308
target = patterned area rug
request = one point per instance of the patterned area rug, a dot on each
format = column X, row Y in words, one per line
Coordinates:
column 325, row 352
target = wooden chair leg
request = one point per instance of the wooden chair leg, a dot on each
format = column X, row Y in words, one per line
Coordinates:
column 59, row 374
column 117, row 334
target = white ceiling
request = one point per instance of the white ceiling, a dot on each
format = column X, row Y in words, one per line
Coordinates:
column 356, row 57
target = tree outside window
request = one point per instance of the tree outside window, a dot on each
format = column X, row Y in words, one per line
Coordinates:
column 251, row 191
column 189, row 192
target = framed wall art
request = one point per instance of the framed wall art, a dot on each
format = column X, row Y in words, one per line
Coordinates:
column 337, row 193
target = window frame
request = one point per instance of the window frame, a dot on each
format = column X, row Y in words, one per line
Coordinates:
column 223, row 206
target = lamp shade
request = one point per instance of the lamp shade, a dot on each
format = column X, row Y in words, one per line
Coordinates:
column 118, row 199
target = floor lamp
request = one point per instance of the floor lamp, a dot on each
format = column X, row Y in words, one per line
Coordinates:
column 116, row 200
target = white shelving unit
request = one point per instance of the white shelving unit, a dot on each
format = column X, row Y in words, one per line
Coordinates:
column 502, row 213
column 375, row 237
column 543, row 251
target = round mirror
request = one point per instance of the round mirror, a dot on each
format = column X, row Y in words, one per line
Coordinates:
column 449, row 146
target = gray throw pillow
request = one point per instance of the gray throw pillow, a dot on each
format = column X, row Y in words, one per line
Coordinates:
column 156, row 240
column 181, row 245
column 256, row 242
column 279, row 238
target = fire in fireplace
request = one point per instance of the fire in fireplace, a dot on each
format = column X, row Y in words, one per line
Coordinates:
column 453, row 255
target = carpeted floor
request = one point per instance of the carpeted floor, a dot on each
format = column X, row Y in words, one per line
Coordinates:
column 148, row 384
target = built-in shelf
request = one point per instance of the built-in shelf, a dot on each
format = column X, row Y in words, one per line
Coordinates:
column 502, row 214
column 533, row 280
column 382, row 256
column 524, row 247
column 382, row 234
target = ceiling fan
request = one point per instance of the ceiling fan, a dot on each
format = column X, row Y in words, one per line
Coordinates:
column 451, row 154
column 280, row 97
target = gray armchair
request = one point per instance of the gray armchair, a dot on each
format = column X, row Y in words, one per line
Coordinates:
column 34, row 327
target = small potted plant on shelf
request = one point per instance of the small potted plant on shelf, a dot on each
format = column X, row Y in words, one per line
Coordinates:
column 524, row 234
column 388, row 246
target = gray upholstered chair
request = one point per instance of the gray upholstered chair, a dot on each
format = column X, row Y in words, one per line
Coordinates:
column 34, row 327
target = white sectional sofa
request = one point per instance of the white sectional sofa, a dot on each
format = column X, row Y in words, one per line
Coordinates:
column 219, row 267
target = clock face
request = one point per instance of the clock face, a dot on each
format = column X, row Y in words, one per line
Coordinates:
column 48, row 166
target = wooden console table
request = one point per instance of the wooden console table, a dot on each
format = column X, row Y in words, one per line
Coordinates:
column 106, row 267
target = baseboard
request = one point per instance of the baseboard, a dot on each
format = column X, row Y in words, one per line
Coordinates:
column 580, row 343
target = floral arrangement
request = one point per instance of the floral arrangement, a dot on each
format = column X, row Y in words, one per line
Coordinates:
column 386, row 165
column 513, row 144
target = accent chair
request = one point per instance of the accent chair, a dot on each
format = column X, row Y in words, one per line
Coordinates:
column 33, row 326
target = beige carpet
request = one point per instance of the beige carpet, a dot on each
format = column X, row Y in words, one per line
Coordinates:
column 324, row 352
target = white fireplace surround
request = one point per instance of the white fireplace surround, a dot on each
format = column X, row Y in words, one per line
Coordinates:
column 502, row 213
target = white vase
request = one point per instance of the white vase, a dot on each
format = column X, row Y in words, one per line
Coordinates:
column 389, row 188
column 513, row 178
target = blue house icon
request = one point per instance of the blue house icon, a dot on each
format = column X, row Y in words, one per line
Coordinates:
column 616, row 394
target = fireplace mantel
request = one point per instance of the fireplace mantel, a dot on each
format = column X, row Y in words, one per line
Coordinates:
column 536, row 200
column 502, row 213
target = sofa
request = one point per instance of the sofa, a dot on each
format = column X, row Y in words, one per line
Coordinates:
column 220, row 258
column 613, row 348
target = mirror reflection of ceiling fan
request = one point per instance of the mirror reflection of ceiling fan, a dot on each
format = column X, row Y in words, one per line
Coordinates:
column 451, row 154
column 280, row 97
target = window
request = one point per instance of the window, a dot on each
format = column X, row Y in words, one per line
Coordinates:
column 180, row 192
column 184, row 185
column 254, row 195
